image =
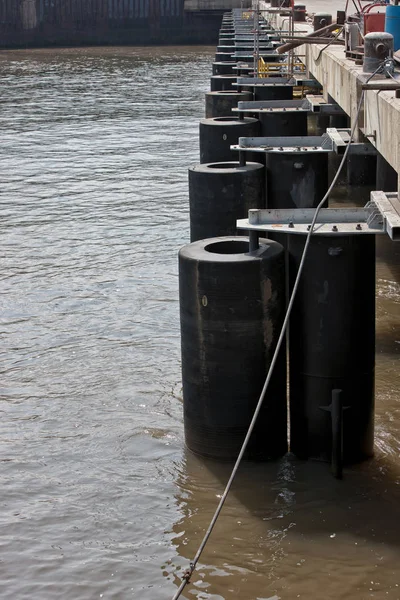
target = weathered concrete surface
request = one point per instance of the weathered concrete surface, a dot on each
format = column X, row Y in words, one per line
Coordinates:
column 342, row 80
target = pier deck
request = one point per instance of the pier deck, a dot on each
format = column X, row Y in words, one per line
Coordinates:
column 343, row 80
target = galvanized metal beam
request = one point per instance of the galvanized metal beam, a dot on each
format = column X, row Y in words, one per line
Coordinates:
column 388, row 205
column 318, row 104
column 306, row 104
column 341, row 139
column 334, row 140
column 380, row 215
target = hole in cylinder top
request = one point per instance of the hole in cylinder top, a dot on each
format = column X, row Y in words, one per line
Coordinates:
column 225, row 119
column 230, row 165
column 228, row 247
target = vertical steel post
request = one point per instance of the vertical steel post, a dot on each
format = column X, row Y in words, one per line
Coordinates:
column 254, row 237
column 337, row 433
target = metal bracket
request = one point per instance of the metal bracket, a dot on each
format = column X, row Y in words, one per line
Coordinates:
column 291, row 144
column 268, row 56
column 330, row 221
column 265, row 50
column 334, row 140
column 317, row 104
column 271, row 106
column 252, row 81
column 265, row 35
column 244, row 46
column 341, row 139
column 380, row 215
column 307, row 104
column 388, row 206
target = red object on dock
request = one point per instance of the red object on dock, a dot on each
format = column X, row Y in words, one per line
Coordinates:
column 374, row 21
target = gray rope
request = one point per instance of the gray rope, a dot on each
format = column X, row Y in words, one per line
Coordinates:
column 188, row 573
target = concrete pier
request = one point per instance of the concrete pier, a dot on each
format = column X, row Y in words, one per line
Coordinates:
column 343, row 82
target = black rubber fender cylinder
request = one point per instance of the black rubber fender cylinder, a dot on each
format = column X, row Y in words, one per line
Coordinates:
column 289, row 123
column 225, row 56
column 228, row 41
column 217, row 135
column 273, row 92
column 221, row 193
column 223, row 68
column 220, row 104
column 296, row 179
column 232, row 305
column 332, row 345
column 219, row 83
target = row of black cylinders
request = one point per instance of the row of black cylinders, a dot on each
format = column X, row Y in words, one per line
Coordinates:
column 233, row 299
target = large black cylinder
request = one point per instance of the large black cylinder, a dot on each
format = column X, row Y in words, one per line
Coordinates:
column 226, row 48
column 220, row 104
column 296, row 179
column 225, row 56
column 231, row 306
column 227, row 41
column 340, row 121
column 219, row 83
column 223, row 68
column 274, row 91
column 217, row 135
column 361, row 169
column 332, row 344
column 323, row 121
column 386, row 176
column 283, row 124
column 221, row 193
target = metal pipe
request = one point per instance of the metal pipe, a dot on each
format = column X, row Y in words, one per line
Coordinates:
column 290, row 45
column 315, row 40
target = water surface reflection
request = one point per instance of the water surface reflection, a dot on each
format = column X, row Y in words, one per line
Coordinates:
column 99, row 498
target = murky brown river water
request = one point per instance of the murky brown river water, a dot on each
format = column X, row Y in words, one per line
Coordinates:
column 99, row 498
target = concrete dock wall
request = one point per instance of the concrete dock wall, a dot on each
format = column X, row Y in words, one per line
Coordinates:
column 342, row 81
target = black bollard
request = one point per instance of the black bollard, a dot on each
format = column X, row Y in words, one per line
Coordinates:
column 321, row 20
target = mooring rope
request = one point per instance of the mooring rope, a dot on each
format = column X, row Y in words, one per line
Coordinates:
column 188, row 573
